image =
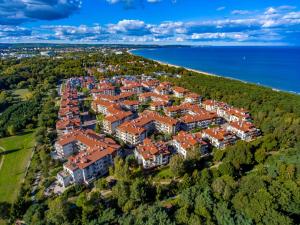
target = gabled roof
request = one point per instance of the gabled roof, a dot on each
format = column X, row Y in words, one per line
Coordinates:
column 218, row 133
column 243, row 126
column 189, row 140
column 149, row 149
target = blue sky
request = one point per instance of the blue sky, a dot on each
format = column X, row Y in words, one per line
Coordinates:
column 196, row 22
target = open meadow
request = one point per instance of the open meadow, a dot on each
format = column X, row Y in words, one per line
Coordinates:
column 15, row 154
column 22, row 93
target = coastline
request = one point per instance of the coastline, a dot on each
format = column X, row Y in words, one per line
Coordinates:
column 177, row 66
column 214, row 75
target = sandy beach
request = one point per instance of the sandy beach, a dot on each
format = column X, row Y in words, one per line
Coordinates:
column 173, row 65
column 214, row 75
column 194, row 70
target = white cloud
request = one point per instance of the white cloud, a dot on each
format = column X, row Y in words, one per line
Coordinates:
column 221, row 8
column 234, row 36
column 20, row 11
column 153, row 1
column 179, row 39
column 271, row 25
column 240, row 12
column 270, row 11
column 137, row 27
column 113, row 1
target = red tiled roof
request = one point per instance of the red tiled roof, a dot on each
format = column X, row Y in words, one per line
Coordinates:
column 193, row 96
column 64, row 123
column 218, row 133
column 180, row 90
column 165, row 83
column 198, row 117
column 119, row 115
column 68, row 109
column 68, row 102
column 130, row 102
column 154, row 95
column 214, row 103
column 189, row 140
column 132, row 127
column 102, row 103
column 150, row 83
column 176, row 108
column 243, row 126
column 162, row 119
column 116, row 98
column 158, row 103
column 240, row 113
column 149, row 149
column 97, row 147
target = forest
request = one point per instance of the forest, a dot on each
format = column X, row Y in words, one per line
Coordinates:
column 248, row 183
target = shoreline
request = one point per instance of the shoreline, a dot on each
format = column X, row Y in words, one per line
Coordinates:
column 177, row 66
column 211, row 74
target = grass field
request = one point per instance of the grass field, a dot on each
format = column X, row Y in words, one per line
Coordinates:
column 17, row 152
column 22, row 93
column 163, row 173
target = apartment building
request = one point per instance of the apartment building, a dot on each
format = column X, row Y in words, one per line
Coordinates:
column 135, row 131
column 150, row 96
column 179, row 92
column 131, row 105
column 133, row 88
column 152, row 154
column 184, row 143
column 219, row 137
column 66, row 125
column 244, row 130
column 115, row 119
column 80, row 140
column 89, row 156
column 150, row 85
column 193, row 98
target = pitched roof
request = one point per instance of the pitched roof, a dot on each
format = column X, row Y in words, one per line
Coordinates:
column 180, row 90
column 203, row 116
column 130, row 102
column 149, row 149
column 218, row 133
column 68, row 122
column 97, row 147
column 189, row 140
column 243, row 126
column 118, row 115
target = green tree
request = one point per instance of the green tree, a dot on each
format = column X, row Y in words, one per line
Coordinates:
column 101, row 183
column 121, row 169
column 4, row 210
column 58, row 212
column 177, row 166
column 139, row 191
column 204, row 204
column 223, row 214
column 121, row 192
column 11, row 130
column 226, row 168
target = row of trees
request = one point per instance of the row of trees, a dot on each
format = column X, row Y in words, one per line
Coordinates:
column 18, row 116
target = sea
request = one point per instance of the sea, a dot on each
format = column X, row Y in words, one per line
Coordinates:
column 274, row 67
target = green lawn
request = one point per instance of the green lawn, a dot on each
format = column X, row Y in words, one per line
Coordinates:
column 22, row 93
column 18, row 150
column 163, row 173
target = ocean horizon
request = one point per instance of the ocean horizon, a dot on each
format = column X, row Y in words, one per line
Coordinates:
column 274, row 67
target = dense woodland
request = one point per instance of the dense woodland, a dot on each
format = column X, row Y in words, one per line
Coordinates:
column 248, row 183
